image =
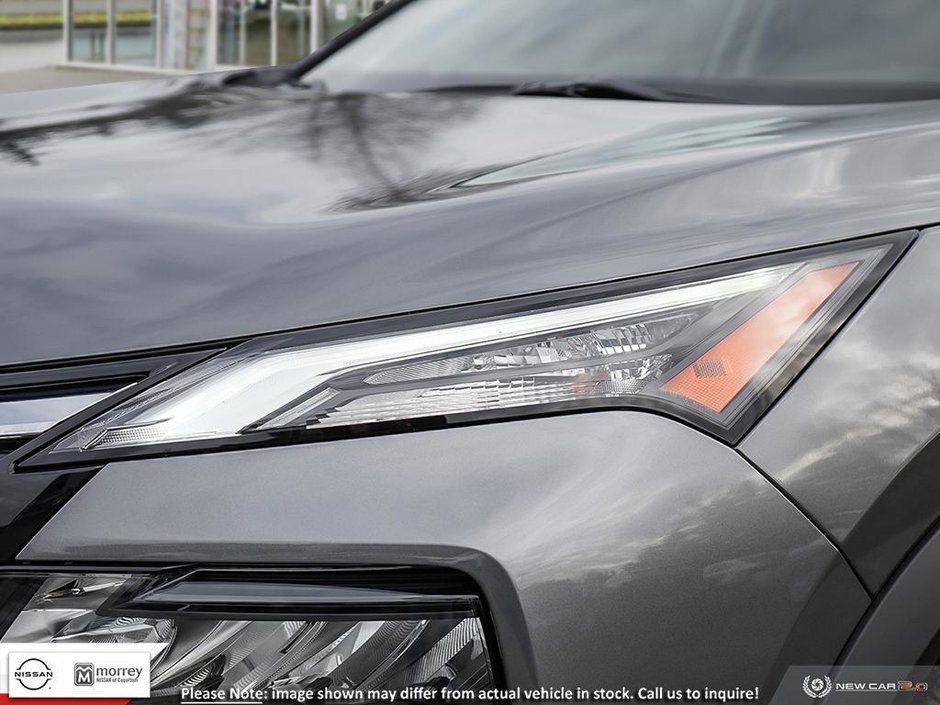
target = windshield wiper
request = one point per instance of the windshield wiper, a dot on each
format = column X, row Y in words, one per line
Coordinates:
column 619, row 90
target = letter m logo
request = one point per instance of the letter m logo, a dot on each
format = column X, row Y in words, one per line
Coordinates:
column 84, row 674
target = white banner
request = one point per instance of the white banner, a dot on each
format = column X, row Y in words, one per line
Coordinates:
column 76, row 670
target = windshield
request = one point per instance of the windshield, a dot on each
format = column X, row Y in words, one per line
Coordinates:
column 748, row 50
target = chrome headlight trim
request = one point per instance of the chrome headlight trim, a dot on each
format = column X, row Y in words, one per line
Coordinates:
column 337, row 358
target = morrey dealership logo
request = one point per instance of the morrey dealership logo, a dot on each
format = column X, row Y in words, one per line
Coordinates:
column 33, row 674
column 90, row 674
column 84, row 674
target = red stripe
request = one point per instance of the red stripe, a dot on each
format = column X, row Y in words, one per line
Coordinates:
column 7, row 700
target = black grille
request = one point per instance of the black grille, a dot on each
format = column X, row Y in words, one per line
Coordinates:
column 13, row 390
column 99, row 378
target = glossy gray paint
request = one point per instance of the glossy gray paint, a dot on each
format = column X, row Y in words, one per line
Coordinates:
column 853, row 441
column 169, row 213
column 902, row 624
column 612, row 547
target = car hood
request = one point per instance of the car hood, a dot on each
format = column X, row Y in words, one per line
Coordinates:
column 164, row 213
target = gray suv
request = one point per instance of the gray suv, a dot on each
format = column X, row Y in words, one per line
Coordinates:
column 580, row 345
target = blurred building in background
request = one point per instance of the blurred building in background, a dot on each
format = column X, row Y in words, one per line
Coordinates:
column 185, row 35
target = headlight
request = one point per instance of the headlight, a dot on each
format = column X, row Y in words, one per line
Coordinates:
column 224, row 631
column 713, row 346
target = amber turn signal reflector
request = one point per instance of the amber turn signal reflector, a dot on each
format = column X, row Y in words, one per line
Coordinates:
column 715, row 378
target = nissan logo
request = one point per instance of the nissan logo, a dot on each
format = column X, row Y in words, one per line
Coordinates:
column 33, row 674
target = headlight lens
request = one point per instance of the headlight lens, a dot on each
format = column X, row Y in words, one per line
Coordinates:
column 710, row 349
column 380, row 639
